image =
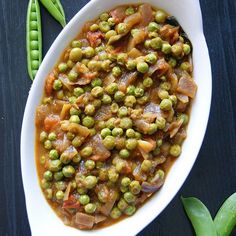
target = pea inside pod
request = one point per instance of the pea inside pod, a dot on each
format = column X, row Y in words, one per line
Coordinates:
column 33, row 38
column 55, row 8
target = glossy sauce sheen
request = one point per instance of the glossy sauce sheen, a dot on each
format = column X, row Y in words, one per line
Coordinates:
column 178, row 76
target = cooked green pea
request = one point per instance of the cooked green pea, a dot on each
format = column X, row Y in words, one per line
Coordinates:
column 162, row 94
column 113, row 175
column 122, row 58
column 77, row 141
column 184, row 117
column 89, row 109
column 78, row 91
column 124, row 153
column 76, row 44
column 48, row 144
column 109, row 142
column 88, row 121
column 62, row 67
column 126, row 123
column 161, row 122
column 43, row 136
column 138, row 135
column 111, row 88
column 156, row 43
column 186, row 66
column 125, row 181
column 142, row 67
column 94, row 65
column 72, row 75
column 166, row 48
column 138, row 92
column 142, row 100
column 146, row 165
column 123, row 111
column 117, row 132
column 48, row 175
column 152, row 128
column 175, row 150
column 130, row 101
column 122, row 28
column 105, row 132
column 106, row 99
column 165, row 86
column 97, row 91
column 130, row 133
column 89, row 52
column 90, row 208
column 110, row 33
column 119, row 96
column 129, row 197
column 122, row 204
column 45, row 184
column 89, row 164
column 111, row 21
column 130, row 90
column 116, row 71
column 104, row 16
column 153, row 26
column 172, row 62
column 176, row 50
column 131, row 144
column 104, row 26
column 59, row 195
column 53, row 154
column 70, row 64
column 186, row 49
column 86, row 151
column 147, row 43
column 84, row 199
column 76, row 158
column 96, row 82
column 75, row 54
column 153, row 35
column 131, row 64
column 68, row 171
column 114, row 108
column 160, row 16
column 94, row 27
column 74, row 119
column 130, row 210
column 173, row 99
column 90, row 181
column 60, row 185
column 147, row 82
column 115, row 213
column 54, row 165
column 110, row 123
column 42, row 160
column 58, row 176
column 151, row 58
column 135, row 187
column 129, row 11
column 166, row 104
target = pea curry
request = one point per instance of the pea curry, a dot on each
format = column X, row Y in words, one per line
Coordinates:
column 113, row 116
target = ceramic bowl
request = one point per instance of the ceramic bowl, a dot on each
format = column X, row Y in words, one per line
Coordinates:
column 42, row 219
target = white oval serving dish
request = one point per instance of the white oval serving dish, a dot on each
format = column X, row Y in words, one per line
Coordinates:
column 42, row 219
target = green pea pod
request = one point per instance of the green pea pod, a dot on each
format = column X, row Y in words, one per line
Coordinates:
column 199, row 216
column 225, row 219
column 33, row 38
column 56, row 10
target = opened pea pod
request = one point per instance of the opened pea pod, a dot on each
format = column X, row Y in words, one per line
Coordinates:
column 55, row 8
column 33, row 38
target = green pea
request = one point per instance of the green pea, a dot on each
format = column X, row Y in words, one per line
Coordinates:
column 110, row 33
column 94, row 65
column 58, row 176
column 59, row 195
column 43, row 136
column 111, row 21
column 60, row 185
column 122, row 58
column 68, row 171
column 77, row 92
column 109, row 142
column 176, row 50
column 183, row 117
column 161, row 122
column 104, row 16
column 123, row 111
column 175, row 150
column 57, row 84
column 88, row 121
column 33, row 25
column 105, row 132
column 75, row 54
column 138, row 92
column 117, row 132
column 147, row 82
column 165, row 86
column 131, row 64
column 186, row 66
column 70, row 64
column 122, row 28
column 130, row 133
column 62, row 67
column 160, row 16
column 142, row 67
column 90, row 164
column 135, row 187
column 48, row 193
column 89, row 109
column 116, row 71
column 166, row 104
column 90, row 181
column 110, row 123
column 130, row 210
column 113, row 175
column 119, row 96
column 129, row 197
column 72, row 75
column 125, row 181
column 106, row 99
column 156, row 43
column 96, row 82
column 34, row 54
column 111, row 88
column 94, row 27
column 45, row 184
column 114, row 107
column 126, row 123
column 86, row 151
column 33, row 35
column 97, row 91
column 130, row 90
column 84, row 199
column 74, row 119
column 152, row 128
column 48, row 175
column 48, row 144
column 130, row 101
column 186, row 49
column 76, row 44
column 115, row 213
column 147, row 43
column 122, row 204
column 124, row 153
column 53, row 154
column 131, row 144
column 42, row 160
column 129, row 11
column 89, row 52
column 90, row 208
column 146, row 165
column 33, row 16
column 166, row 48
column 162, row 94
column 54, row 165
column 153, row 27
column 104, row 26
column 151, row 58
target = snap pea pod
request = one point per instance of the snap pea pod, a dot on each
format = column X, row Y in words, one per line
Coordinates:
column 199, row 216
column 225, row 219
column 55, row 8
column 33, row 38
